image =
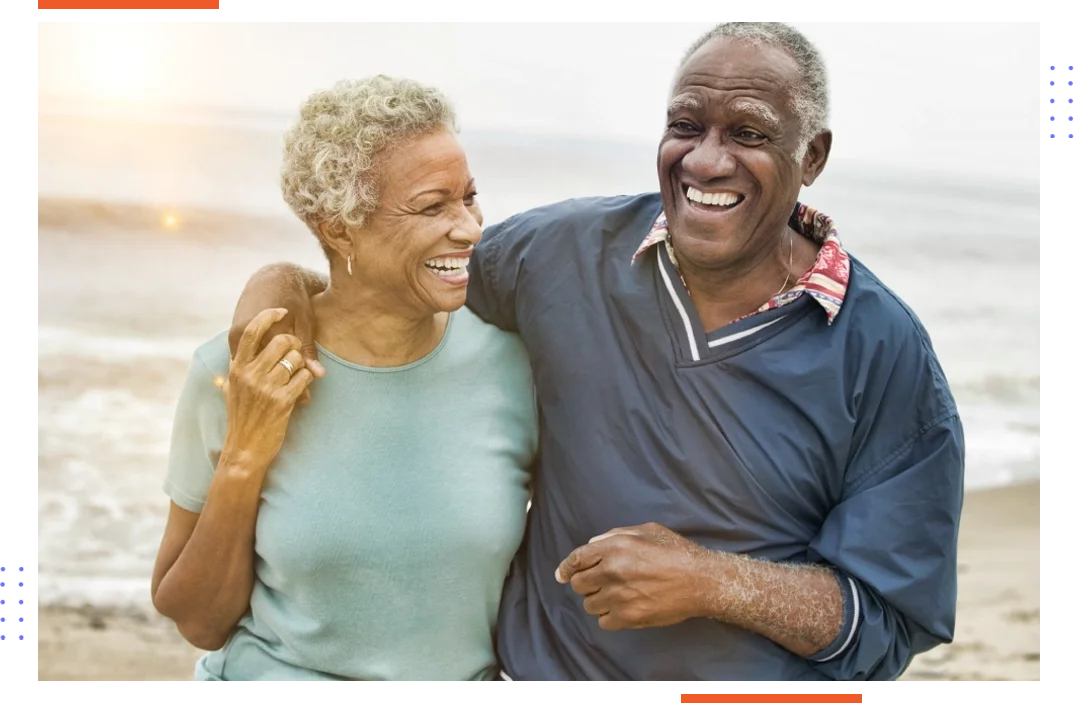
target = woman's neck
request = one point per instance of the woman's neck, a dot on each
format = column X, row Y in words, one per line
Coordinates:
column 358, row 327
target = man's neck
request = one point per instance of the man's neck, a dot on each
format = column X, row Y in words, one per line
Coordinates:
column 723, row 295
column 354, row 324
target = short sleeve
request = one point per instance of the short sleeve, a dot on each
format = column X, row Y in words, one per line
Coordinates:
column 197, row 437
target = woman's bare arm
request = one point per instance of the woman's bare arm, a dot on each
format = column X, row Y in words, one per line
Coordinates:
column 204, row 572
column 205, row 567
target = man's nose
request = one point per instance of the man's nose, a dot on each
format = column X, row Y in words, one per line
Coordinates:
column 710, row 159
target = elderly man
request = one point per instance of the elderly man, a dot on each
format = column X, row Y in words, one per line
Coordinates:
column 751, row 462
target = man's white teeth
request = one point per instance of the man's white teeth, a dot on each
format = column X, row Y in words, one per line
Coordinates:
column 717, row 198
column 449, row 266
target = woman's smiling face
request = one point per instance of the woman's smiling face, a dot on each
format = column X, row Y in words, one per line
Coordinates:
column 416, row 245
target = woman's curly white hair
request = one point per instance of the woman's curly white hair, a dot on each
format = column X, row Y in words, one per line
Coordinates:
column 331, row 153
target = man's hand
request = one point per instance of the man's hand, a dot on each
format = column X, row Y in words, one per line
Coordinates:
column 635, row 577
column 281, row 286
column 649, row 576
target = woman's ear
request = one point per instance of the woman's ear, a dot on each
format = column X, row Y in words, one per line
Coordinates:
column 337, row 238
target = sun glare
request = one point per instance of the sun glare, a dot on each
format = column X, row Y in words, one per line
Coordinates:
column 117, row 63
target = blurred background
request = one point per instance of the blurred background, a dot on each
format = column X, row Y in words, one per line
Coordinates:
column 159, row 149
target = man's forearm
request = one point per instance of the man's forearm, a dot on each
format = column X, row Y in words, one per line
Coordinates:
column 799, row 607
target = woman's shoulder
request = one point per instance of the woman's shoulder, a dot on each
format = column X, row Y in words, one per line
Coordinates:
column 466, row 324
column 214, row 355
column 470, row 335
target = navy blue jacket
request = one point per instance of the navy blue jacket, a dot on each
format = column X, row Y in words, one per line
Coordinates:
column 802, row 442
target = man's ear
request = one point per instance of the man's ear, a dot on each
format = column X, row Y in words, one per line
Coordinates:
column 816, row 157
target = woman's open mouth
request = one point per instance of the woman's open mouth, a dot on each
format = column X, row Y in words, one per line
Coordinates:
column 451, row 269
column 713, row 201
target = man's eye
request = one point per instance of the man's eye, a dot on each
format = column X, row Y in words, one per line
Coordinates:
column 682, row 127
column 750, row 135
column 433, row 210
column 469, row 200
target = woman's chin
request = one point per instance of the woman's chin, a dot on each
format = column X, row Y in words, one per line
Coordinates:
column 453, row 305
column 447, row 300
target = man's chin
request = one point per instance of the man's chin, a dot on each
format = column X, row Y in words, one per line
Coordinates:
column 687, row 233
column 703, row 249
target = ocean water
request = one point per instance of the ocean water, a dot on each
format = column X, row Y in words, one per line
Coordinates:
column 125, row 299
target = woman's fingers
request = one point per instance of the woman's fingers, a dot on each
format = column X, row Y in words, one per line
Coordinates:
column 281, row 373
column 250, row 341
column 278, row 347
column 298, row 384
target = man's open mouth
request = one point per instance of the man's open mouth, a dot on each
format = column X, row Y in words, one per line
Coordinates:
column 716, row 200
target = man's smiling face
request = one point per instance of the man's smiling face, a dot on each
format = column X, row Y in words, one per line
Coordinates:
column 727, row 165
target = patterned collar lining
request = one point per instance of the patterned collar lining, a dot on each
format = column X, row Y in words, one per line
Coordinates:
column 826, row 281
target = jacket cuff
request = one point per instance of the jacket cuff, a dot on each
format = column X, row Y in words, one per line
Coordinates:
column 851, row 619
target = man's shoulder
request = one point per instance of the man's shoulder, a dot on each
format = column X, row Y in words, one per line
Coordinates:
column 878, row 311
column 889, row 338
column 608, row 214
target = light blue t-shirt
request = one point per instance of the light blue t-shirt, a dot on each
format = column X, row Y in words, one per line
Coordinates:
column 388, row 520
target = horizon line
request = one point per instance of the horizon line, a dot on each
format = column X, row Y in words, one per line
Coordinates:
column 270, row 119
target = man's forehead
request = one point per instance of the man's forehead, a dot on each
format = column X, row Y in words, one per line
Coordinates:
column 729, row 63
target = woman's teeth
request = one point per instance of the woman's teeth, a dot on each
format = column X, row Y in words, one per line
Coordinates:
column 447, row 267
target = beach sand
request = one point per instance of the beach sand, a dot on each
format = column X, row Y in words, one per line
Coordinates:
column 997, row 632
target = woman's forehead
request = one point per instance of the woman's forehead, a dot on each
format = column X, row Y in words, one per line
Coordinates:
column 430, row 162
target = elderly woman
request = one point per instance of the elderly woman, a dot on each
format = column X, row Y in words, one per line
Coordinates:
column 366, row 534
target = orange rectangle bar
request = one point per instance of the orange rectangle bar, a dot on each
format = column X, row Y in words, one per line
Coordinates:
column 771, row 698
column 128, row 4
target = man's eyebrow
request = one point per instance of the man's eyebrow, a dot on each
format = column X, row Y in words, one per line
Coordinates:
column 684, row 102
column 761, row 112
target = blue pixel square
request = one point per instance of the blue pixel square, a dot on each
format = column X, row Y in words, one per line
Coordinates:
column 12, row 611
column 1060, row 128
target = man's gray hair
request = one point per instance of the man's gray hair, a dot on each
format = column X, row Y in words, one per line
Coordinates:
column 809, row 97
column 342, row 134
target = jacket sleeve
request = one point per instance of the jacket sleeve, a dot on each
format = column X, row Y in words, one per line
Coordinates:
column 496, row 270
column 893, row 536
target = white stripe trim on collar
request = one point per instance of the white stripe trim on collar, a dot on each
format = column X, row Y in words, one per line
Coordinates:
column 743, row 333
column 678, row 306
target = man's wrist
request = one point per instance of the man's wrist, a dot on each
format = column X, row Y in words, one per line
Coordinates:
column 711, row 574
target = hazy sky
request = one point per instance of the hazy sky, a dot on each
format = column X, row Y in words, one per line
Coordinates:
column 959, row 98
